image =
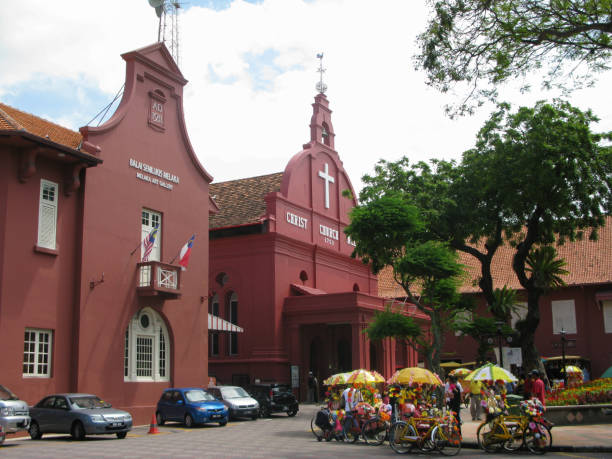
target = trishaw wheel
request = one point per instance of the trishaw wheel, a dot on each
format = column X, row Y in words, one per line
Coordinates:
column 401, row 437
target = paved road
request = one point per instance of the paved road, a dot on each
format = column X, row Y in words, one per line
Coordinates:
column 277, row 437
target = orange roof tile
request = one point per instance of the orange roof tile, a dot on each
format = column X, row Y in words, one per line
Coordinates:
column 16, row 120
column 241, row 202
column 588, row 262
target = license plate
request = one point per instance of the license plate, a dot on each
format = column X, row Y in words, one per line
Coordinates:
column 285, row 408
column 216, row 416
column 116, row 424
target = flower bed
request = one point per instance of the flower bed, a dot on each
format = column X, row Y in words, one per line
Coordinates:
column 588, row 403
column 598, row 391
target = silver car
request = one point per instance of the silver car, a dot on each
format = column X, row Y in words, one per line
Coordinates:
column 238, row 401
column 78, row 415
column 14, row 414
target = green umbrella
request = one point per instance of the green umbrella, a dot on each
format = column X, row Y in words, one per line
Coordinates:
column 607, row 373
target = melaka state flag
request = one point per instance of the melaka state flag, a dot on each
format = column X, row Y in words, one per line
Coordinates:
column 185, row 253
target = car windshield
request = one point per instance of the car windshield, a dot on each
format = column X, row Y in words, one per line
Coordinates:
column 281, row 388
column 198, row 396
column 6, row 394
column 234, row 392
column 89, row 402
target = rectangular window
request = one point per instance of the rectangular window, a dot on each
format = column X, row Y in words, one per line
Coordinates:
column 214, row 343
column 462, row 317
column 47, row 215
column 144, row 356
column 519, row 313
column 149, row 221
column 607, row 316
column 162, row 353
column 37, row 353
column 233, row 338
column 564, row 316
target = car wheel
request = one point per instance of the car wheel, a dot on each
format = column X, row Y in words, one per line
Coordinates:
column 254, row 418
column 35, row 433
column 264, row 412
column 222, row 423
column 161, row 420
column 121, row 435
column 292, row 412
column 78, row 431
column 188, row 421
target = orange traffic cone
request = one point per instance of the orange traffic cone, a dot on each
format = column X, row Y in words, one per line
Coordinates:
column 153, row 428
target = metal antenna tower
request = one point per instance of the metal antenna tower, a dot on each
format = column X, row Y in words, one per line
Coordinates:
column 168, row 31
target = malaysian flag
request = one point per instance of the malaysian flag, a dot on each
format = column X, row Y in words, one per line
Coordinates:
column 147, row 243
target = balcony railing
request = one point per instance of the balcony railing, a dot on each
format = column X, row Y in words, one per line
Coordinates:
column 156, row 278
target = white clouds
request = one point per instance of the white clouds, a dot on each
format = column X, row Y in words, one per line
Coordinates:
column 238, row 126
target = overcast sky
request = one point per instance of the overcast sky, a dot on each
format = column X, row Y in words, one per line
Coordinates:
column 251, row 68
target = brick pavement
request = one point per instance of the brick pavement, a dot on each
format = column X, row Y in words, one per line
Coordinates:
column 278, row 437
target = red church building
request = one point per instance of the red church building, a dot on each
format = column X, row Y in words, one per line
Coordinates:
column 281, row 270
column 85, row 305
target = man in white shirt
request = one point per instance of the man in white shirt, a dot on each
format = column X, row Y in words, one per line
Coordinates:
column 352, row 396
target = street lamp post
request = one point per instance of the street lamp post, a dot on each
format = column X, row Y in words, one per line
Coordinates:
column 563, row 340
column 500, row 336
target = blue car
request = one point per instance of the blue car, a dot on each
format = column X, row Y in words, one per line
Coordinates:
column 190, row 405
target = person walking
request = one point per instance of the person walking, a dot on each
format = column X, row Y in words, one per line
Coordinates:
column 475, row 397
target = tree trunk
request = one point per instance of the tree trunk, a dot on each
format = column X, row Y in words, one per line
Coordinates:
column 527, row 329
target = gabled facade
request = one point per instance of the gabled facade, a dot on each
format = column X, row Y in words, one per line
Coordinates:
column 112, row 316
column 281, row 269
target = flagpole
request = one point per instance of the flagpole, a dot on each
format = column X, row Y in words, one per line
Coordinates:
column 132, row 252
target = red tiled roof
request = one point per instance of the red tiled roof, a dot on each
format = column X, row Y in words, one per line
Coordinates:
column 12, row 119
column 241, row 202
column 588, row 262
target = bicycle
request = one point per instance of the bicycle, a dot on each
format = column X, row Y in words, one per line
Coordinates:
column 512, row 432
column 353, row 424
column 322, row 426
column 446, row 436
column 376, row 430
column 414, row 432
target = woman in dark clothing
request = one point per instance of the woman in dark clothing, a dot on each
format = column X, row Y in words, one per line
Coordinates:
column 455, row 398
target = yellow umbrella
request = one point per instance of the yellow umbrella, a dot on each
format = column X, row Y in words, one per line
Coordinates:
column 490, row 372
column 460, row 372
column 414, row 375
column 572, row 369
column 338, row 378
column 450, row 364
column 362, row 376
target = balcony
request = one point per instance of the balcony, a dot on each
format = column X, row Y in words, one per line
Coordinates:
column 159, row 279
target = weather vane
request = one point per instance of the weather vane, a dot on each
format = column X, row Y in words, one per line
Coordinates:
column 321, row 87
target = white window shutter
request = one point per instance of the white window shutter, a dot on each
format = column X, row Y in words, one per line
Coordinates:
column 564, row 316
column 607, row 316
column 47, row 215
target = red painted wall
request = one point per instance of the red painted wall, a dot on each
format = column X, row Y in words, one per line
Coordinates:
column 591, row 341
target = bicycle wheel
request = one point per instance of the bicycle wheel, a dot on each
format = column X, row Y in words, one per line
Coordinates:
column 537, row 438
column 402, row 437
column 486, row 437
column 516, row 439
column 316, row 430
column 374, row 431
column 351, row 430
column 447, row 439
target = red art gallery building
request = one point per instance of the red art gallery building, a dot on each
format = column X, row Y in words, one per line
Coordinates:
column 281, row 270
column 79, row 310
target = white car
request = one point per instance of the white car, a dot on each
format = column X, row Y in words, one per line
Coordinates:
column 238, row 401
column 14, row 413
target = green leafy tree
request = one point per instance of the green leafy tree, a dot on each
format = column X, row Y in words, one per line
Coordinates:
column 388, row 231
column 536, row 177
column 483, row 43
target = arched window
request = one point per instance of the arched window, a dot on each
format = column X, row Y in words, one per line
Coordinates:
column 147, row 348
column 233, row 318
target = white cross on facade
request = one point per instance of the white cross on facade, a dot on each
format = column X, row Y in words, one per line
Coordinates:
column 328, row 179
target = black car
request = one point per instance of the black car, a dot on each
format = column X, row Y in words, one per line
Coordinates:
column 274, row 398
